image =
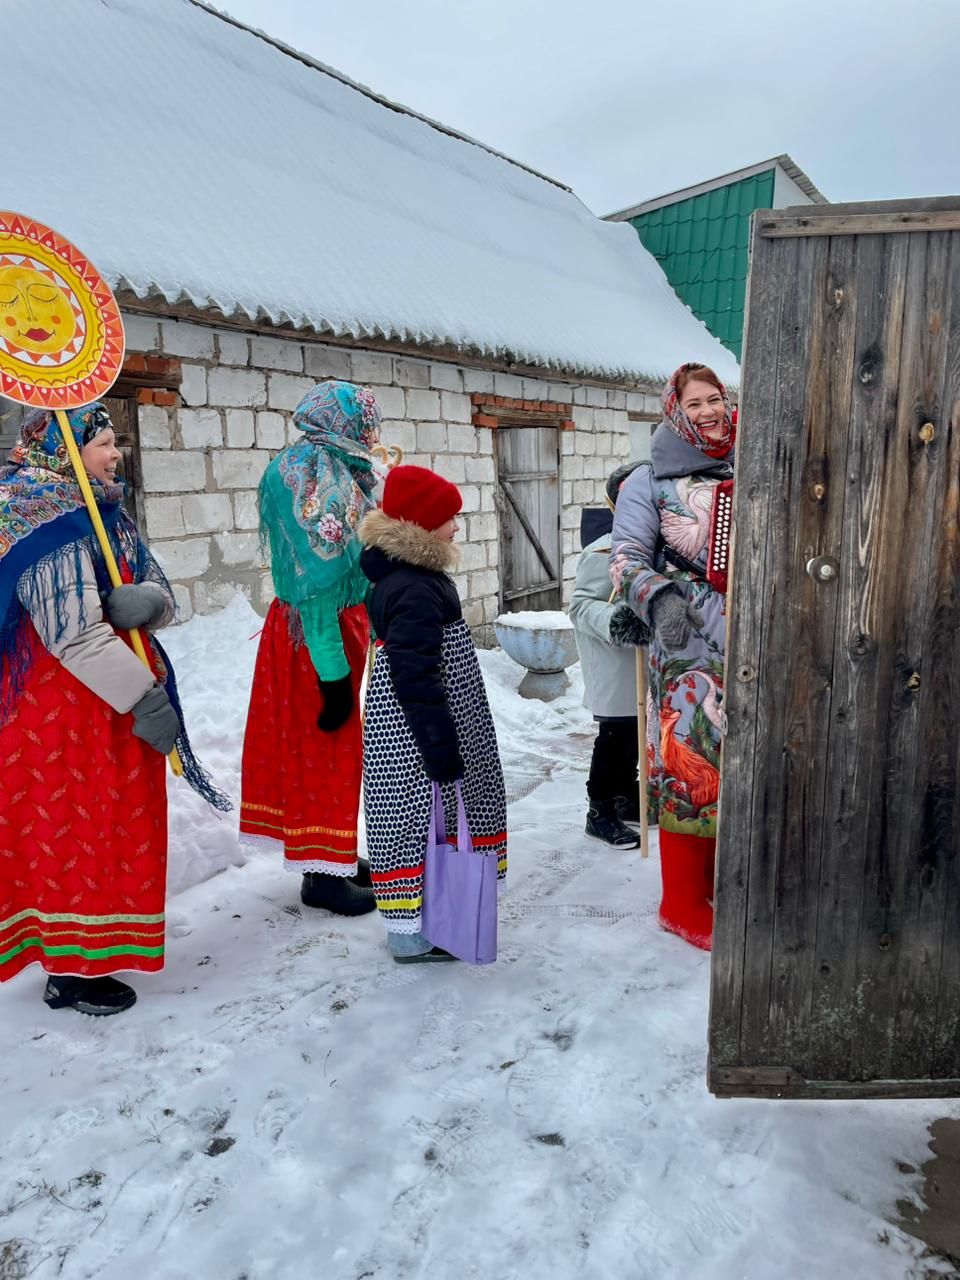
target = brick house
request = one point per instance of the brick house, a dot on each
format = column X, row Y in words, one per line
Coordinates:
column 302, row 227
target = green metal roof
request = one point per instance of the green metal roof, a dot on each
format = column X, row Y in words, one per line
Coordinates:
column 702, row 245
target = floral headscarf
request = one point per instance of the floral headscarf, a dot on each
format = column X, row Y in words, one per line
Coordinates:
column 330, row 470
column 38, row 484
column 680, row 424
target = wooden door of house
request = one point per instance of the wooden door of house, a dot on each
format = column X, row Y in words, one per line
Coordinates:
column 123, row 415
column 836, row 961
column 528, row 475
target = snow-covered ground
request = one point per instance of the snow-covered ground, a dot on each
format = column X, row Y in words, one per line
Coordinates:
column 285, row 1103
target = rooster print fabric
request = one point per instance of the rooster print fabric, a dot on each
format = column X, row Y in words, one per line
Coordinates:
column 686, row 686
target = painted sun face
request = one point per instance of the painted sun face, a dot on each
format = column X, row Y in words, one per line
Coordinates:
column 34, row 311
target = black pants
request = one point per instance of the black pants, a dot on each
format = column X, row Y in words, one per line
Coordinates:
column 613, row 769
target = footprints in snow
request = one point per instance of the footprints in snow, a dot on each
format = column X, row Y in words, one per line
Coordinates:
column 443, row 1032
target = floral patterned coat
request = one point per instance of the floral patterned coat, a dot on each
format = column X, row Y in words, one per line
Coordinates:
column 668, row 503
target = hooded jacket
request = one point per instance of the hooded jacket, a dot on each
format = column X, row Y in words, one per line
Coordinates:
column 413, row 598
column 609, row 673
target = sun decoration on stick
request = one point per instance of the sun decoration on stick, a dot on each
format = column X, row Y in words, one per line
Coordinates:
column 61, row 336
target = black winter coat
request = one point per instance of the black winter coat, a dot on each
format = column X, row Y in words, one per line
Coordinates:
column 412, row 600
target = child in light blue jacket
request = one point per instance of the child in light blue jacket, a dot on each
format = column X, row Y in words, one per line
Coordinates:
column 607, row 635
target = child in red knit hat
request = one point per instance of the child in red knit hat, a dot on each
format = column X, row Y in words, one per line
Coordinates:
column 427, row 718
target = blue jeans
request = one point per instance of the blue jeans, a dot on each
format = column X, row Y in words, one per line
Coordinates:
column 408, row 944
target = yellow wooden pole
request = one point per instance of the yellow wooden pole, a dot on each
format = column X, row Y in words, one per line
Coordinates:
column 93, row 510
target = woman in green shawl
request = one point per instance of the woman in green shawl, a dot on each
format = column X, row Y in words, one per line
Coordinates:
column 302, row 752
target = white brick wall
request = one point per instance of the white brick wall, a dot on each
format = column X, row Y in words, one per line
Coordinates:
column 286, row 390
column 240, row 428
column 181, row 339
column 423, row 405
column 164, row 517
column 271, row 430
column 155, row 426
column 172, row 472
column 239, row 468
column 207, row 512
column 369, row 368
column 234, row 348
column 275, row 353
column 184, row 557
column 240, row 387
column 193, row 386
column 202, row 462
column 327, row 362
column 245, row 512
column 142, row 333
column 201, row 428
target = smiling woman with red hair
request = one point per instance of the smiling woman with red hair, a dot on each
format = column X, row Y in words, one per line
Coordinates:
column 667, row 516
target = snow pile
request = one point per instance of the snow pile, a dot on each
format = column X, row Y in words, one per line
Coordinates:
column 548, row 620
column 213, row 167
column 213, row 657
column 286, row 1102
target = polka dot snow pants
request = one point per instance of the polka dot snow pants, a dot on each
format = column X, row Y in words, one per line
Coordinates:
column 397, row 793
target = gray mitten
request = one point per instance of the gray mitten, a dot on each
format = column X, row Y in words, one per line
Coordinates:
column 626, row 629
column 674, row 619
column 135, row 604
column 155, row 721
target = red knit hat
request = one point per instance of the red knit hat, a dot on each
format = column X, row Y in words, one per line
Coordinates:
column 421, row 496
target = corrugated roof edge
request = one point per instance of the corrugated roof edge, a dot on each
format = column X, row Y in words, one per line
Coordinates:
column 786, row 163
column 185, row 306
column 316, row 65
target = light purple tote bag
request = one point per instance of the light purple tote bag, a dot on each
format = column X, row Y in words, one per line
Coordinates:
column 459, row 890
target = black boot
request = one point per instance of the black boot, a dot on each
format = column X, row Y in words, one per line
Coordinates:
column 362, row 877
column 426, row 957
column 338, row 894
column 98, row 997
column 604, row 823
column 628, row 807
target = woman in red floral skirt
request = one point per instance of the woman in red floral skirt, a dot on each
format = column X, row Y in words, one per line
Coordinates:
column 84, row 726
column 302, row 750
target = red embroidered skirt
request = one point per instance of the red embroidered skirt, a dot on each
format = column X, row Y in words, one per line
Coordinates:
column 300, row 787
column 83, row 833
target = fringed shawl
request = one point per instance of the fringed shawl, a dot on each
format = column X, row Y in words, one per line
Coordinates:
column 315, row 493
column 45, row 534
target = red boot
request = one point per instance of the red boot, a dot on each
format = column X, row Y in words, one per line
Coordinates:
column 684, row 909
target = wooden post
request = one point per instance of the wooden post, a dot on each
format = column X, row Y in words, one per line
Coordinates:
column 642, row 762
column 93, row 511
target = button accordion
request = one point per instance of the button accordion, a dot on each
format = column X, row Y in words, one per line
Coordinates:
column 718, row 547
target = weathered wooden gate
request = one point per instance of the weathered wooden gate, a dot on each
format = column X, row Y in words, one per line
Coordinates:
column 528, row 475
column 836, row 962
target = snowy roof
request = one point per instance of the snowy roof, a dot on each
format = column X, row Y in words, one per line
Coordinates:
column 199, row 161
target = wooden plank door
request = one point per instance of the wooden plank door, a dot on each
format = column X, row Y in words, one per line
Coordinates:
column 836, row 962
column 528, row 475
column 11, row 415
column 123, row 415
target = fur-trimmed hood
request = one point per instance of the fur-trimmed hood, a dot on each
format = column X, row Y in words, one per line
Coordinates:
column 404, row 541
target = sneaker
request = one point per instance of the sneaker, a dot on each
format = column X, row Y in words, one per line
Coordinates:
column 98, row 997
column 338, row 894
column 426, row 957
column 604, row 823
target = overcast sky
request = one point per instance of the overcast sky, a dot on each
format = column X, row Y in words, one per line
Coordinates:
column 628, row 99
